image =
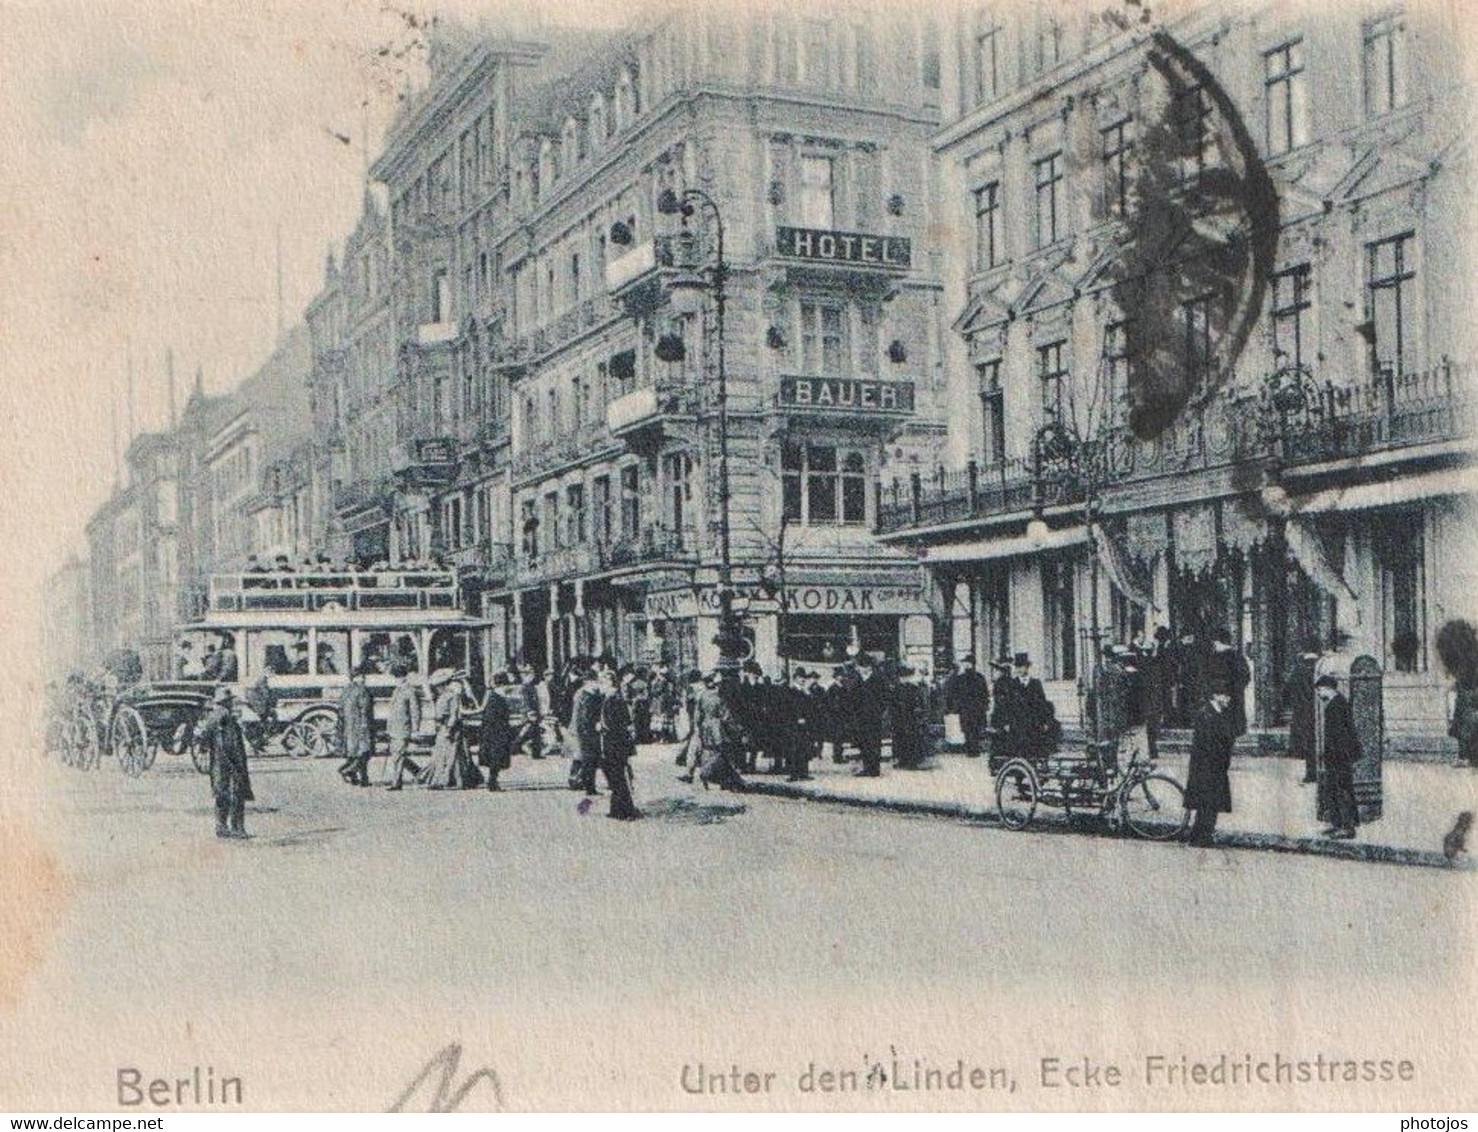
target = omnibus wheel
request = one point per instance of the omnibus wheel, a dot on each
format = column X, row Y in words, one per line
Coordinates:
column 319, row 732
column 301, row 740
column 1016, row 794
column 128, row 739
column 1153, row 807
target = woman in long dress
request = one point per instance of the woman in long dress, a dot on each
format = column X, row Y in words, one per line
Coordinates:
column 451, row 766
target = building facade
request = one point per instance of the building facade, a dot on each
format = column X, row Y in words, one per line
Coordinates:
column 1207, row 334
column 808, row 143
column 66, row 624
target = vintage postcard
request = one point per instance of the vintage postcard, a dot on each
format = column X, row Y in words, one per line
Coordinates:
column 844, row 555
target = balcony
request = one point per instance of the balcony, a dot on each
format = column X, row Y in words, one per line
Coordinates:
column 1389, row 414
column 634, row 279
column 653, row 545
column 490, row 563
column 1394, row 418
column 589, row 442
column 561, row 564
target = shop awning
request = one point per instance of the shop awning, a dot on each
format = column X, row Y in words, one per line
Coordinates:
column 985, row 550
column 1391, row 493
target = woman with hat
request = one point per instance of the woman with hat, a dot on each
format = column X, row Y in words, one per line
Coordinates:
column 451, row 766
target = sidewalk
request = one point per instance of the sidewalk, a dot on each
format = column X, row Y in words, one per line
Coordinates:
column 1272, row 809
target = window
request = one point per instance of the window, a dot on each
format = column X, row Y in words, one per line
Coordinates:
column 550, row 518
column 1286, row 97
column 441, row 296
column 601, row 520
column 1049, row 184
column 575, row 277
column 1384, row 65
column 816, row 192
column 677, row 470
column 530, row 422
column 1050, row 43
column 988, row 247
column 823, row 338
column 1190, row 111
column 987, row 60
column 575, row 512
column 784, row 34
column 929, row 68
column 529, row 525
column 1058, row 612
column 992, row 413
column 630, row 501
column 1290, row 302
column 1392, row 302
column 1052, row 373
column 555, row 423
column 1401, row 557
column 332, row 653
column 867, row 338
column 862, row 68
column 1195, row 326
column 1117, row 148
column 816, row 66
column 822, row 484
column 1117, row 367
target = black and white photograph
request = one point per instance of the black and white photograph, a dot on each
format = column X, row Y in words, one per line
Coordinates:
column 636, row 555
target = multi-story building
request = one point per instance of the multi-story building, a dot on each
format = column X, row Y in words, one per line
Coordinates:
column 1258, row 207
column 354, row 394
column 66, row 620
column 133, row 555
column 808, row 135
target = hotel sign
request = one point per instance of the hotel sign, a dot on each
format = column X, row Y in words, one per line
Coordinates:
column 866, row 249
column 846, row 394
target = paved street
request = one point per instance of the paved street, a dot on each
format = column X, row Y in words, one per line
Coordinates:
column 499, row 918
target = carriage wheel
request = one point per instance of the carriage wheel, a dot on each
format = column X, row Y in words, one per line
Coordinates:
column 129, row 742
column 1016, row 794
column 302, row 740
column 321, row 738
column 199, row 753
column 84, row 748
column 1153, row 807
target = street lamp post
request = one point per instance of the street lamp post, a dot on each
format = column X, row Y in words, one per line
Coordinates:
column 671, row 203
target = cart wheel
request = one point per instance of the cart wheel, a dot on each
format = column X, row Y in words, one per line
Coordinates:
column 312, row 737
column 1016, row 794
column 1153, row 807
column 199, row 754
column 151, row 752
column 85, row 747
column 128, row 739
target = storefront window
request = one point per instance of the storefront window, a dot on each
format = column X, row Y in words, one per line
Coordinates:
column 826, row 639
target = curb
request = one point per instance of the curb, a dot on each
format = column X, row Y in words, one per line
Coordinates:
column 1060, row 825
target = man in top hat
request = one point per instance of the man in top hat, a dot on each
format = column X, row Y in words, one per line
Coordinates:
column 868, row 701
column 1302, row 702
column 1336, row 802
column 617, row 747
column 1005, row 711
column 967, row 694
column 230, row 780
column 1230, row 671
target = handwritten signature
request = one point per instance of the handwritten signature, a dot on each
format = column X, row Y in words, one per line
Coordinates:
column 445, row 1093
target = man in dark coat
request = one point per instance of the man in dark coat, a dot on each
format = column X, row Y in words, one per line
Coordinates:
column 869, row 701
column 1302, row 702
column 787, row 729
column 1341, row 751
column 230, row 780
column 403, row 724
column 617, row 747
column 495, row 742
column 967, row 694
column 585, row 723
column 1208, row 788
column 1228, row 670
column 909, row 711
column 356, row 721
column 1034, row 721
column 1005, row 710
